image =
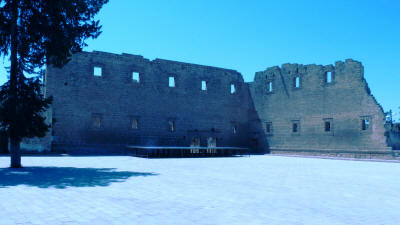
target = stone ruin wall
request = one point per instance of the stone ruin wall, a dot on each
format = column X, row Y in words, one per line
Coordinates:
column 78, row 95
column 345, row 101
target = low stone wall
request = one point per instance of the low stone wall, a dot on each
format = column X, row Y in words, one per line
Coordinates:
column 358, row 154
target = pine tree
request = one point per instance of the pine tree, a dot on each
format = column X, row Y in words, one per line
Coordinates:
column 33, row 34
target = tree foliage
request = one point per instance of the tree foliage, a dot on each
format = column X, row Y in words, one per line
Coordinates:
column 31, row 106
column 48, row 31
column 33, row 34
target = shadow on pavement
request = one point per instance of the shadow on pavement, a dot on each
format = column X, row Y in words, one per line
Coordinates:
column 63, row 177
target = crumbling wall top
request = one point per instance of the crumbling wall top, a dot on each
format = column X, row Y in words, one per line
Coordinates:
column 161, row 63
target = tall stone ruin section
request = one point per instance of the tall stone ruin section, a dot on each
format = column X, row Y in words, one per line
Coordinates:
column 131, row 102
column 306, row 108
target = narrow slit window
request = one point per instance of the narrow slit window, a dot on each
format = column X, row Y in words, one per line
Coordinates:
column 135, row 77
column 135, row 124
column 296, row 82
column 233, row 89
column 97, row 120
column 171, row 125
column 97, row 71
column 171, row 82
column 270, row 86
column 268, row 127
column 234, row 128
column 203, row 85
column 328, row 77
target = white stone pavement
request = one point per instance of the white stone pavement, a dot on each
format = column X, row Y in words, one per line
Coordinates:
column 242, row 190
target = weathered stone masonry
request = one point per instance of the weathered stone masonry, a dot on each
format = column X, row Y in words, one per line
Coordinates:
column 332, row 111
column 116, row 99
column 330, row 108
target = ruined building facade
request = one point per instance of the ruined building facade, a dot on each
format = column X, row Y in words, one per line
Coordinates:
column 104, row 102
column 135, row 101
column 313, row 107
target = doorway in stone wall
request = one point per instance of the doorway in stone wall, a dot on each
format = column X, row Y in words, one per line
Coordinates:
column 254, row 143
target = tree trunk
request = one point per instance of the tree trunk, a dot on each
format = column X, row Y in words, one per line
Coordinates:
column 14, row 73
column 15, row 153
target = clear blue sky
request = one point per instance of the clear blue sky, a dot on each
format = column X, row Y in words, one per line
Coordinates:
column 249, row 36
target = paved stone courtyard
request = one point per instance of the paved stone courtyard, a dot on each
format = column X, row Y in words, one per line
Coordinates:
column 243, row 190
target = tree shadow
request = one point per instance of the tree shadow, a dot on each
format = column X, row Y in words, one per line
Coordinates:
column 63, row 177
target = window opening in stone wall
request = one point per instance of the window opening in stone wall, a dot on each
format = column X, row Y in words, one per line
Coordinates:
column 171, row 82
column 97, row 120
column 296, row 82
column 234, row 128
column 203, row 85
column 254, row 142
column 171, row 125
column 97, row 71
column 295, row 126
column 135, row 123
column 365, row 122
column 269, row 86
column 233, row 89
column 328, row 77
column 268, row 127
column 135, row 77
column 327, row 126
